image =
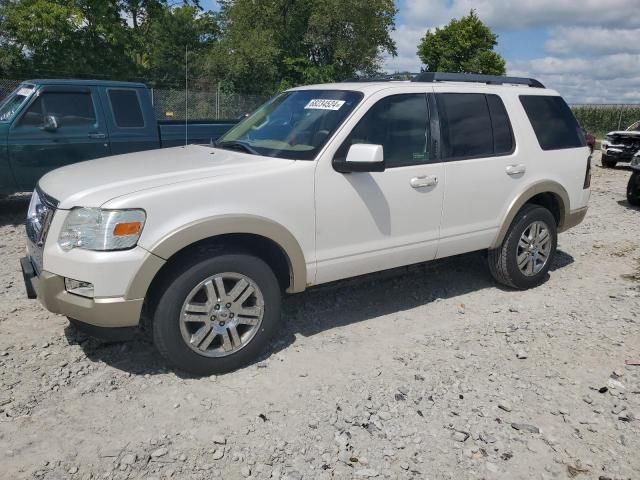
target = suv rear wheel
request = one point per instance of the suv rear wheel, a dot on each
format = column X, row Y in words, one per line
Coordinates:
column 217, row 314
column 527, row 252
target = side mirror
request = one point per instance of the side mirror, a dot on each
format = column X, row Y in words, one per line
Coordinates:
column 50, row 123
column 362, row 157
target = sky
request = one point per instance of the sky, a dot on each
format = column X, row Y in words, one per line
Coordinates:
column 588, row 50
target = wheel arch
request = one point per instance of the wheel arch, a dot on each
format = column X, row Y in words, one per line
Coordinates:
column 548, row 194
column 267, row 239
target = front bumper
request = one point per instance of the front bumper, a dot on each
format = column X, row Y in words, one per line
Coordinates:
column 99, row 312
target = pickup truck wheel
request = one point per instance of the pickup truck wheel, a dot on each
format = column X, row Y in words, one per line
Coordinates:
column 527, row 252
column 633, row 189
column 218, row 314
column 608, row 162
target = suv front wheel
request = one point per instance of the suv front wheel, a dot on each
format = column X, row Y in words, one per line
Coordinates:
column 217, row 314
column 528, row 249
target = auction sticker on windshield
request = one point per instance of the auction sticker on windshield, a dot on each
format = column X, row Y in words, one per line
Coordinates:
column 324, row 104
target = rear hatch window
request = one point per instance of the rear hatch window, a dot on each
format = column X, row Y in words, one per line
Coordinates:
column 553, row 122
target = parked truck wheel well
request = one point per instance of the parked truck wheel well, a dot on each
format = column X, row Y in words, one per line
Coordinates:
column 262, row 247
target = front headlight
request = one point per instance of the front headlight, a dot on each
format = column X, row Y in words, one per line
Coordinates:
column 635, row 161
column 97, row 229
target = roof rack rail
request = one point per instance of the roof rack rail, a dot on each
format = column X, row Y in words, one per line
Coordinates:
column 476, row 78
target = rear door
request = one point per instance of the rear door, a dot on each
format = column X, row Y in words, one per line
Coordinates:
column 130, row 119
column 80, row 134
column 484, row 168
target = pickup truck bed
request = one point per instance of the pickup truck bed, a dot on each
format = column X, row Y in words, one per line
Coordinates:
column 172, row 132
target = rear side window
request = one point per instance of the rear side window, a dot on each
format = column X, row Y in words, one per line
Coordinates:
column 502, row 133
column 553, row 122
column 473, row 125
column 126, row 108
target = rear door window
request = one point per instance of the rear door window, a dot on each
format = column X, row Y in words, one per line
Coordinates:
column 503, row 142
column 126, row 108
column 553, row 122
column 465, row 125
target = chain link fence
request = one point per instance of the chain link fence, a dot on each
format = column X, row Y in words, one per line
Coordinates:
column 177, row 104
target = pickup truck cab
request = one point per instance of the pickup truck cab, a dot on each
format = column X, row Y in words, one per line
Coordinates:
column 321, row 183
column 46, row 124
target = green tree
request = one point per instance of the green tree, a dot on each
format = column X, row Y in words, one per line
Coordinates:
column 76, row 37
column 164, row 36
column 273, row 44
column 120, row 39
column 464, row 45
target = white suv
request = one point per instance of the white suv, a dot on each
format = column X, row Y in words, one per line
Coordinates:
column 321, row 183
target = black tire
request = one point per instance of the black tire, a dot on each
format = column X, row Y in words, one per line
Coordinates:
column 179, row 283
column 608, row 162
column 503, row 260
column 633, row 189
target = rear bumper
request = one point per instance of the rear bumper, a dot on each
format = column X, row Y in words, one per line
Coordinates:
column 99, row 312
column 573, row 218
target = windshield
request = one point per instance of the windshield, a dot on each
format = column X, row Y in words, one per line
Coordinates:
column 634, row 127
column 14, row 101
column 293, row 125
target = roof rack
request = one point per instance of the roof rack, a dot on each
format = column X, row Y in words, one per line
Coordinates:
column 476, row 78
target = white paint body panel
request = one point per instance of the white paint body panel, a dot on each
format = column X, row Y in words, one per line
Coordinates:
column 345, row 224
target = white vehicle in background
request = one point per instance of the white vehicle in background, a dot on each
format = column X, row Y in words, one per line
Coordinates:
column 620, row 146
column 322, row 183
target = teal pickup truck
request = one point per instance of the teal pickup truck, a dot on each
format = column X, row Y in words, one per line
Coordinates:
column 45, row 124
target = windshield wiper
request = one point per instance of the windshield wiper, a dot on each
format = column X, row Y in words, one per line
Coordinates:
column 237, row 145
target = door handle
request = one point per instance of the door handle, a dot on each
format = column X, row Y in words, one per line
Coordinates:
column 424, row 181
column 97, row 135
column 516, row 169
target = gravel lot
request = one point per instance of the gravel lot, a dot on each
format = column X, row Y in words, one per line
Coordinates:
column 432, row 372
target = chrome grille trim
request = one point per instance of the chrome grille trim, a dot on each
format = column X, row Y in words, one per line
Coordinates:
column 37, row 228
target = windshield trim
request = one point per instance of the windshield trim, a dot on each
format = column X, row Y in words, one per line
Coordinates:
column 24, row 102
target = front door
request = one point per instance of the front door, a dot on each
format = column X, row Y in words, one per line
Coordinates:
column 370, row 221
column 76, row 134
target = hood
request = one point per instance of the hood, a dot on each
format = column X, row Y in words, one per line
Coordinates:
column 627, row 133
column 92, row 183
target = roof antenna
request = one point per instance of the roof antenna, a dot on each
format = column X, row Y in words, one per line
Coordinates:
column 186, row 97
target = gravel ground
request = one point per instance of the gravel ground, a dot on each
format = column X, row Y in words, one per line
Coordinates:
column 429, row 372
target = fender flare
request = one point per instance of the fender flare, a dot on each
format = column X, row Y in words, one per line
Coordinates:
column 212, row 227
column 545, row 186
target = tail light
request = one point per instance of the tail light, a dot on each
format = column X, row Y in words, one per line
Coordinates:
column 587, row 177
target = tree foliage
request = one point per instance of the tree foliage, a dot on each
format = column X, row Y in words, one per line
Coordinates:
column 273, row 44
column 251, row 46
column 465, row 45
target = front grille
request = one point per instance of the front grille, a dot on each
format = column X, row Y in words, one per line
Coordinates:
column 626, row 142
column 41, row 211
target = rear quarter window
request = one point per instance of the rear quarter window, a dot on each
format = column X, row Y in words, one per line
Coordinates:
column 125, row 106
column 553, row 122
